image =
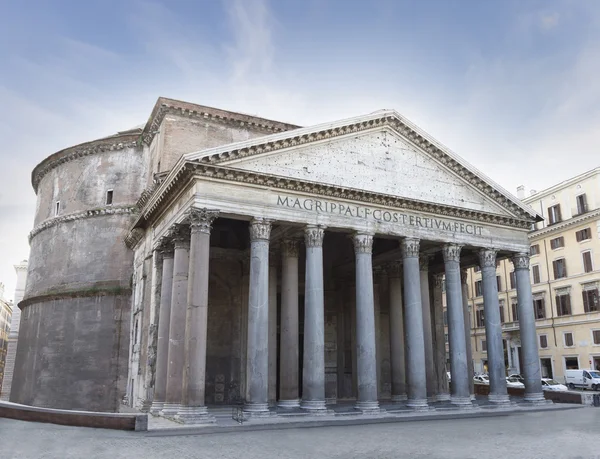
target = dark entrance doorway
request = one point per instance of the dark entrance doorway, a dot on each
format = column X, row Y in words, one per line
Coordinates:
column 546, row 366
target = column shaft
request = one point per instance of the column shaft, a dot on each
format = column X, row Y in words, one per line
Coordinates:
column 427, row 329
column 273, row 331
column 398, row 362
column 164, row 318
column 313, row 374
column 465, row 303
column 413, row 321
column 289, row 348
column 440, row 341
column 174, row 392
column 493, row 327
column 365, row 325
column 257, row 363
column 456, row 322
column 529, row 345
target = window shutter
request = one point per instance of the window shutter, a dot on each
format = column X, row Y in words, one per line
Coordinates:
column 586, row 306
column 555, row 267
column 558, row 214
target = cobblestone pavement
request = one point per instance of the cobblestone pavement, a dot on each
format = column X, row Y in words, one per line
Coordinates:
column 557, row 434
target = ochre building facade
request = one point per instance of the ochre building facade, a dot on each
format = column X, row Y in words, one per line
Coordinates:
column 213, row 258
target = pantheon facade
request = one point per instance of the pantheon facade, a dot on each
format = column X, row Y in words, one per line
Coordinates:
column 215, row 258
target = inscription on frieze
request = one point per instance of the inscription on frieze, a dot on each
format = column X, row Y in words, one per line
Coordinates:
column 320, row 206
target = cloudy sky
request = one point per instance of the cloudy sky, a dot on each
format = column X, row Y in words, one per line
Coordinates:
column 512, row 86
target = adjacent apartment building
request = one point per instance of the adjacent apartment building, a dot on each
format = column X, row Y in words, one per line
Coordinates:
column 5, row 317
column 565, row 277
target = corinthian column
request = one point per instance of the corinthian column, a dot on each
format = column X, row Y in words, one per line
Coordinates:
column 313, row 375
column 193, row 409
column 467, row 318
column 529, row 345
column 273, row 262
column 427, row 328
column 398, row 363
column 413, row 322
column 493, row 328
column 456, row 326
column 289, row 354
column 165, row 250
column 257, row 363
column 365, row 325
column 181, row 240
column 440, row 342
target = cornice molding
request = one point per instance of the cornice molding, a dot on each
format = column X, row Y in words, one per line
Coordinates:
column 208, row 114
column 558, row 227
column 99, row 212
column 114, row 289
column 166, row 191
column 115, row 143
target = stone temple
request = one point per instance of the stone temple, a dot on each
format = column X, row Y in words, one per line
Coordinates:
column 215, row 258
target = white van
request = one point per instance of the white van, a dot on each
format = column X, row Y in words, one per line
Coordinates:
column 586, row 379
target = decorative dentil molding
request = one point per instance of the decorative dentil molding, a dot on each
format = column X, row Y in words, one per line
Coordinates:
column 134, row 237
column 451, row 252
column 313, row 236
column 520, row 261
column 410, row 247
column 201, row 220
column 487, row 258
column 290, row 248
column 363, row 243
column 260, row 229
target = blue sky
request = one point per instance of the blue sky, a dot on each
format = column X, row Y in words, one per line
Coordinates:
column 510, row 85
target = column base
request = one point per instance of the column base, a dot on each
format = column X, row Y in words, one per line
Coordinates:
column 194, row 415
column 170, row 409
column 156, row 408
column 442, row 398
column 399, row 398
column 256, row 409
column 536, row 398
column 461, row 402
column 314, row 406
column 287, row 404
column 418, row 404
column 499, row 399
column 368, row 407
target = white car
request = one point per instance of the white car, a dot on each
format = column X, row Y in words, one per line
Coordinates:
column 551, row 384
column 481, row 379
column 513, row 381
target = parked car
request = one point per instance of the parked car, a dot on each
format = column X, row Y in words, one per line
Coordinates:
column 513, row 381
column 518, row 377
column 553, row 385
column 481, row 379
column 585, row 379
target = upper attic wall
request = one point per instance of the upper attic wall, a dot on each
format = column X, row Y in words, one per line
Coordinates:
column 179, row 135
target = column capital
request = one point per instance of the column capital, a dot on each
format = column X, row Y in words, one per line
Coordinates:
column 451, row 252
column 363, row 243
column 313, row 235
column 410, row 247
column 260, row 229
column 290, row 248
column 180, row 235
column 164, row 248
column 487, row 258
column 201, row 219
column 520, row 261
column 394, row 269
column 424, row 262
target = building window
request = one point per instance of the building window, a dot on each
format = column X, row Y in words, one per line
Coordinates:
column 557, row 243
column 540, row 308
column 596, row 336
column 446, row 337
column 581, row 204
column 513, row 280
column 572, row 363
column 477, row 268
column 535, row 270
column 483, row 345
column 543, row 342
column 57, row 208
column 109, row 197
column 480, row 318
column 568, row 337
column 590, row 300
column 554, row 214
column 583, row 235
column 587, row 261
column 563, row 305
column 534, row 249
column 478, row 289
column 560, row 268
column 501, row 312
column 445, row 317
column 515, row 311
column 499, row 282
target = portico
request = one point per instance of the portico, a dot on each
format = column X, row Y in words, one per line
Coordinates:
column 264, row 250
